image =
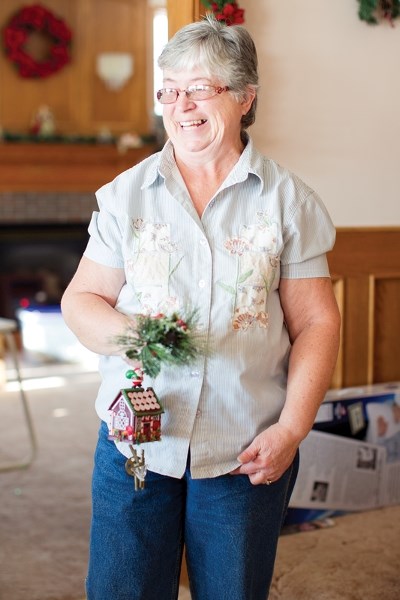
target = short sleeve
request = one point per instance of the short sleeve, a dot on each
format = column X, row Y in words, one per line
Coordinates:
column 308, row 236
column 104, row 245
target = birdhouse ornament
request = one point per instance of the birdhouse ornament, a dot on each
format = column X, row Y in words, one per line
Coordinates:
column 134, row 416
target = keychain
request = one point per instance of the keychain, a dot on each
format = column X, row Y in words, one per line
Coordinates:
column 135, row 417
column 136, row 467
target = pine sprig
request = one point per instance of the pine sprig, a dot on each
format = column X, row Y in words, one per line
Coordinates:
column 156, row 340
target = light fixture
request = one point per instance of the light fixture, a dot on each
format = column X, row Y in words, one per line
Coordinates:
column 114, row 69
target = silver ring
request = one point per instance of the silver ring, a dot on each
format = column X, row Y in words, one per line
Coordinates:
column 268, row 482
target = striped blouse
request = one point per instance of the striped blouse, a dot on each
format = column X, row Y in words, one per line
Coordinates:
column 262, row 224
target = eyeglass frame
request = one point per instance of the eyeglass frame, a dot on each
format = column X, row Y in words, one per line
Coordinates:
column 190, row 90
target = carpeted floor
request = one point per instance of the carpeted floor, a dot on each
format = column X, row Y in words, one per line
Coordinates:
column 45, row 512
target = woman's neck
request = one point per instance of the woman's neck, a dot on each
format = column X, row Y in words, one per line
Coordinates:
column 204, row 177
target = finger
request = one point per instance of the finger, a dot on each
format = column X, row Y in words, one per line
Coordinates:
column 249, row 454
column 248, row 468
column 235, row 472
column 259, row 478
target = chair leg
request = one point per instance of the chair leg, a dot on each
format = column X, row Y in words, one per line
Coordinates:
column 26, row 462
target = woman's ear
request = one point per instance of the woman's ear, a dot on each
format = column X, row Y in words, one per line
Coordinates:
column 248, row 100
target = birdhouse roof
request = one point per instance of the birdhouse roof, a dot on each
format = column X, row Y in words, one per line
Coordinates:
column 142, row 401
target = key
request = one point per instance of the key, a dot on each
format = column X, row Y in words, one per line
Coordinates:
column 136, row 467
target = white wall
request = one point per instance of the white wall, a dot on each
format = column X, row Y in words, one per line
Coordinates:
column 329, row 103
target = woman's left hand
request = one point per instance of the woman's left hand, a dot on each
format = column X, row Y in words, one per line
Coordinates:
column 269, row 455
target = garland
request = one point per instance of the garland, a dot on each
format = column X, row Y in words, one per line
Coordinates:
column 372, row 10
column 26, row 21
column 226, row 11
column 160, row 339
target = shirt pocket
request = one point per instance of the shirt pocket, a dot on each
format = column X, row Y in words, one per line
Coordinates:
column 147, row 262
column 257, row 269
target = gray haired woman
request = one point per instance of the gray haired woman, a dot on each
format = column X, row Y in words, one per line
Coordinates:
column 207, row 222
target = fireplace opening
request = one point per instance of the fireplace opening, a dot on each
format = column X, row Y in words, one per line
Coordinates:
column 36, row 264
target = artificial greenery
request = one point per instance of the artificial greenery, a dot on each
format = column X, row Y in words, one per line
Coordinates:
column 156, row 340
column 10, row 136
column 373, row 10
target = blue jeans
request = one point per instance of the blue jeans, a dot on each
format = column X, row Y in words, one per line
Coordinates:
column 229, row 529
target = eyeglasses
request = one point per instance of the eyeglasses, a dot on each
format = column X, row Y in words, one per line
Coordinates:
column 193, row 92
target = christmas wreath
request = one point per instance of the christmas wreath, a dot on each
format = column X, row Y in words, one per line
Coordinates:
column 226, row 11
column 36, row 18
column 371, row 10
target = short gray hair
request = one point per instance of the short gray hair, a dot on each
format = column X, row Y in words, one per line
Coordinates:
column 225, row 52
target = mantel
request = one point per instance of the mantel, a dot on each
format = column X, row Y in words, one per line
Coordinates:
column 51, row 167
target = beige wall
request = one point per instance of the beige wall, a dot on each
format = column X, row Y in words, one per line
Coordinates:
column 329, row 104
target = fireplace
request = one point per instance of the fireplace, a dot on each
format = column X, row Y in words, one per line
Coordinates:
column 37, row 262
column 42, row 238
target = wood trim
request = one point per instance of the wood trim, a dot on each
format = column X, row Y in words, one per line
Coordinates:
column 364, row 250
column 183, row 12
column 180, row 13
column 338, row 288
column 63, row 167
column 365, row 267
column 386, row 319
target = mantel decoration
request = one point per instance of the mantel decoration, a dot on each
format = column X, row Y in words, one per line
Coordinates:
column 372, row 11
column 226, row 11
column 31, row 19
column 134, row 416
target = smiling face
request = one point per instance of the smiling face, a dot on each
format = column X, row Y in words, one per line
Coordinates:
column 203, row 128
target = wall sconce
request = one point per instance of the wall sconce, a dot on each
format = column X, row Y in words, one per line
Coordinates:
column 114, row 69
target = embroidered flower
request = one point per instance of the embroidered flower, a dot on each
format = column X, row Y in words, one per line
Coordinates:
column 242, row 321
column 139, row 224
column 237, row 246
column 263, row 319
column 166, row 245
column 274, row 261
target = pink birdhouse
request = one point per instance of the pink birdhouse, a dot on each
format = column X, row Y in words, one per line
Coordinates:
column 135, row 416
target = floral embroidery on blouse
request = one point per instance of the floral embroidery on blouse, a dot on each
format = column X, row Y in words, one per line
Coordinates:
column 255, row 252
column 152, row 258
column 237, row 246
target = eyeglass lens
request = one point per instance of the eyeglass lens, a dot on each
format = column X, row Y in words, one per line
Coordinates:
column 170, row 95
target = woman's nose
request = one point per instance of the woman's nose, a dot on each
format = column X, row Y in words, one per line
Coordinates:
column 184, row 98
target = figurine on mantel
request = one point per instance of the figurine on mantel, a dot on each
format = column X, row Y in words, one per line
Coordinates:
column 127, row 141
column 43, row 122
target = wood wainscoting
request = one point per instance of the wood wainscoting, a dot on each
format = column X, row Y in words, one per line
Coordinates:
column 365, row 269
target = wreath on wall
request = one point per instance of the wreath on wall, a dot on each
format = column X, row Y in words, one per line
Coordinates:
column 226, row 11
column 37, row 18
column 373, row 10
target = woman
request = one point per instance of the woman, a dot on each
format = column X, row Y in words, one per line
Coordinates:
column 207, row 222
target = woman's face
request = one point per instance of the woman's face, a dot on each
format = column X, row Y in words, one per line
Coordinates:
column 202, row 127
